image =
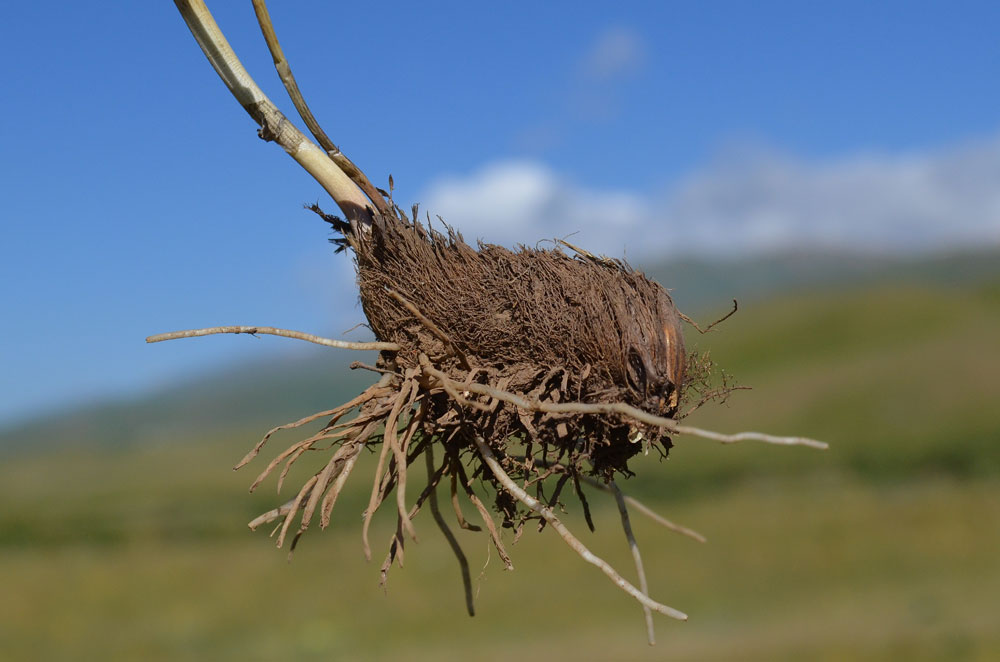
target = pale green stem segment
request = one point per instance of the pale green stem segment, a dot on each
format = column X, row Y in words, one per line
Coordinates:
column 292, row 87
column 274, row 125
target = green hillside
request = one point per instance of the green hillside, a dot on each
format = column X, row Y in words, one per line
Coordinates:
column 241, row 399
column 883, row 547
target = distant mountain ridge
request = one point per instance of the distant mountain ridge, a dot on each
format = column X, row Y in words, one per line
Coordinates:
column 249, row 398
column 702, row 286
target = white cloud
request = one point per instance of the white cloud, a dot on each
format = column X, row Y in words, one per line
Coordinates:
column 513, row 202
column 875, row 202
column 617, row 52
column 593, row 92
column 751, row 202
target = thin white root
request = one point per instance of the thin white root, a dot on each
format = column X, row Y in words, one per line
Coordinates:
column 634, row 547
column 663, row 521
column 645, row 510
column 569, row 538
column 622, row 409
column 749, row 436
column 271, row 331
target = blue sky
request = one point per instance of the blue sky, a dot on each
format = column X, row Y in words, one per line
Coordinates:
column 137, row 198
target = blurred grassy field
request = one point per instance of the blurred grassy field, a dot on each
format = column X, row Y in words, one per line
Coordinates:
column 887, row 546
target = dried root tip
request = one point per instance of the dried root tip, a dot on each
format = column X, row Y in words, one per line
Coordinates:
column 287, row 426
column 449, row 536
column 271, row 515
column 457, row 507
column 296, row 504
column 397, row 541
column 644, row 509
column 634, row 547
column 621, row 409
column 487, row 519
column 512, row 488
column 716, row 322
column 336, row 414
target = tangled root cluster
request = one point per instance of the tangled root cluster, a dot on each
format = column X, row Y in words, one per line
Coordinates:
column 553, row 368
column 533, row 355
